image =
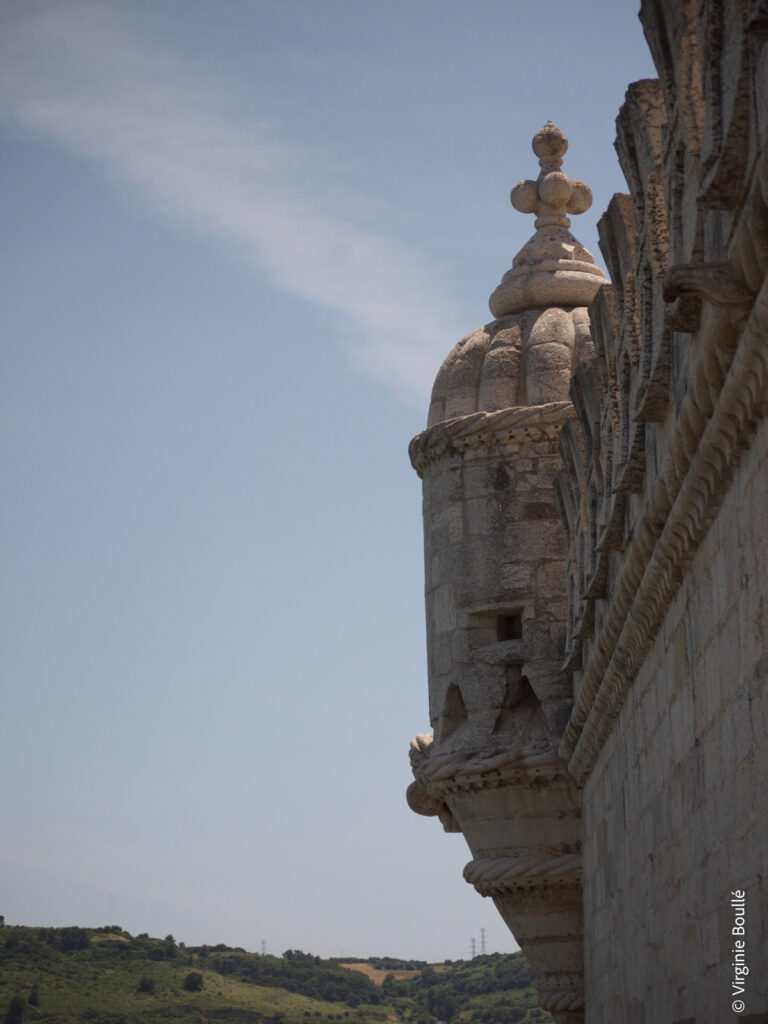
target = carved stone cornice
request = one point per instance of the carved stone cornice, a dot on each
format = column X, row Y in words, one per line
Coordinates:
column 511, row 428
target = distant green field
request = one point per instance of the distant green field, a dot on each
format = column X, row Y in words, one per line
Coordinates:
column 106, row 976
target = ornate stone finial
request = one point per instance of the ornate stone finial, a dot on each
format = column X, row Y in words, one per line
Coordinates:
column 552, row 269
column 550, row 146
column 553, row 194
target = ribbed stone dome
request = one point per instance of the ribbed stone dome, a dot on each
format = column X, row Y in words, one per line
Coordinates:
column 525, row 359
column 481, row 372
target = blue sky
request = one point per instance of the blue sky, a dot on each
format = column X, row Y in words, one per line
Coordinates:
column 238, row 240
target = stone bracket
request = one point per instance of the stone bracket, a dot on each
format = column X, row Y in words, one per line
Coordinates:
column 687, row 285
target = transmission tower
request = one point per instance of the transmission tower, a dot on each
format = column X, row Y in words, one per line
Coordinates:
column 473, row 947
column 482, row 941
column 263, row 947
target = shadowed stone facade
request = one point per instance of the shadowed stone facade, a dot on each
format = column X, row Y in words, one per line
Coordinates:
column 595, row 472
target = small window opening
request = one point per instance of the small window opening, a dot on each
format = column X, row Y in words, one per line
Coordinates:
column 509, row 627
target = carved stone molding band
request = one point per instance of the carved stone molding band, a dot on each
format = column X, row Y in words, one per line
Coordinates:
column 494, row 875
column 447, row 773
column 549, row 983
column 557, row 1002
column 519, row 425
column 560, row 992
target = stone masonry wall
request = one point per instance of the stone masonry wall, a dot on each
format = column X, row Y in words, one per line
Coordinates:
column 664, row 500
column 493, row 548
column 675, row 810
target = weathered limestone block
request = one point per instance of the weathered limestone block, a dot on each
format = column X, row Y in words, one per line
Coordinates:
column 496, row 594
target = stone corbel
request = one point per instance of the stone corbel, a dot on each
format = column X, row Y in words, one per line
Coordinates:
column 687, row 285
column 541, row 898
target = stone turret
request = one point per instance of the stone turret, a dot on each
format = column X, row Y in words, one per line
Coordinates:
column 495, row 589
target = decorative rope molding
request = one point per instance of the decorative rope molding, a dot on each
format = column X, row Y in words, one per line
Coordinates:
column 516, row 426
column 560, row 991
column 718, row 418
column 557, row 1001
column 493, row 875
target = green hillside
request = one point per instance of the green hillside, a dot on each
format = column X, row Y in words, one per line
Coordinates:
column 106, row 976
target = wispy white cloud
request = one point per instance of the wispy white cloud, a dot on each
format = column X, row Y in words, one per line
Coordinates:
column 85, row 77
